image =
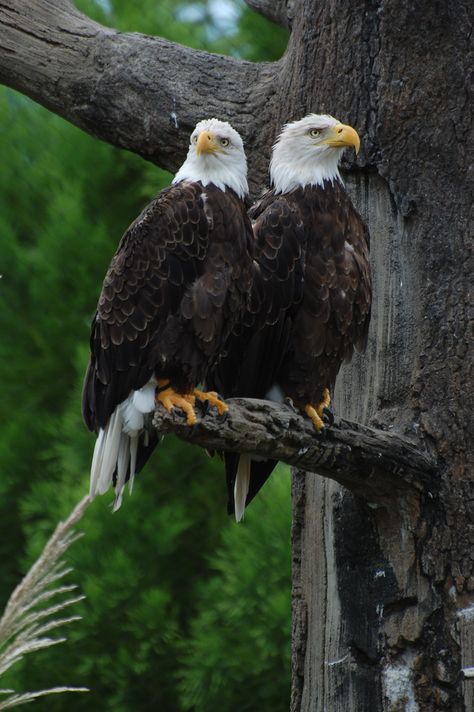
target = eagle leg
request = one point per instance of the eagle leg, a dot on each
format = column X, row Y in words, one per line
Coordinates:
column 213, row 399
column 170, row 399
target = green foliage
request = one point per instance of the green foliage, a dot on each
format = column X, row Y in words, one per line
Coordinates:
column 222, row 26
column 170, row 557
column 238, row 652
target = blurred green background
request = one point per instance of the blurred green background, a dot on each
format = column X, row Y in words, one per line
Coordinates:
column 185, row 610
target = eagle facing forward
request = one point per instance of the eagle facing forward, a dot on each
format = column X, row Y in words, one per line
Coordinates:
column 312, row 302
column 176, row 287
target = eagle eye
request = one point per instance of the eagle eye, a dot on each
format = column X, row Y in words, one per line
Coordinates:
column 225, row 142
column 314, row 132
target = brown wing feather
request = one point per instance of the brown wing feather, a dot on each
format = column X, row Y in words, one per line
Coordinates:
column 252, row 353
column 334, row 315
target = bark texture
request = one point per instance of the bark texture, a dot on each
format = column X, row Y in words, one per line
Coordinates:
column 383, row 596
column 376, row 465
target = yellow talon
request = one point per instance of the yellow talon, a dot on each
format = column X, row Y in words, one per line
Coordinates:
column 315, row 417
column 325, row 403
column 170, row 399
column 316, row 413
column 213, row 399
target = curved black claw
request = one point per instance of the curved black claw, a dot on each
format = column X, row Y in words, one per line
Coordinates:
column 205, row 407
column 224, row 416
column 328, row 416
column 289, row 402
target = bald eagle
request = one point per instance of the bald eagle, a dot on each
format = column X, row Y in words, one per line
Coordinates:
column 175, row 289
column 314, row 295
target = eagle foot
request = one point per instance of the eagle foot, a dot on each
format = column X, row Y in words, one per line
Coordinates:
column 325, row 403
column 212, row 398
column 320, row 414
column 170, row 399
column 316, row 419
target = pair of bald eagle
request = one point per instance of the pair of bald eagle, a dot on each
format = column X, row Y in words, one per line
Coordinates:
column 266, row 304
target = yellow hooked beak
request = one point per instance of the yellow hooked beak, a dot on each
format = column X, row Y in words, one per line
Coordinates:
column 206, row 143
column 343, row 135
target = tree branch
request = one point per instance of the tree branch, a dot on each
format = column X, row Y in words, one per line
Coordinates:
column 374, row 464
column 278, row 11
column 137, row 92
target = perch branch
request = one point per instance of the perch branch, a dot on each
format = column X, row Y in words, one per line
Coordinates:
column 375, row 464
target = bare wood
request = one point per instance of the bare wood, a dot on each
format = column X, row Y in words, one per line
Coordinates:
column 373, row 464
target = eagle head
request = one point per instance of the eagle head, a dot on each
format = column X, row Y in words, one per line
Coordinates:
column 216, row 155
column 308, row 151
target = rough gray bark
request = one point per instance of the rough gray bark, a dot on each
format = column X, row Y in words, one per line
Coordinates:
column 376, row 465
column 142, row 93
column 383, row 596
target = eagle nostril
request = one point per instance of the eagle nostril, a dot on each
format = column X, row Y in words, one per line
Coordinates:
column 339, row 131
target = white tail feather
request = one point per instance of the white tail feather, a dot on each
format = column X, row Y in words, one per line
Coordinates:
column 110, row 451
column 241, row 486
column 95, row 467
column 117, row 444
column 133, row 461
column 122, row 466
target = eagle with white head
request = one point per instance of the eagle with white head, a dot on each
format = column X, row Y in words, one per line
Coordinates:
column 174, row 291
column 313, row 302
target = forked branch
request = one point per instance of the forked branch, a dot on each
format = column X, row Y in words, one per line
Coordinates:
column 374, row 464
column 141, row 93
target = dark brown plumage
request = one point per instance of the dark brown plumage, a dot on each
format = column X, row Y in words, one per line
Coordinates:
column 313, row 300
column 171, row 296
column 175, row 289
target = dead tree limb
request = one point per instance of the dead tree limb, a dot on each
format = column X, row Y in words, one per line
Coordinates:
column 135, row 91
column 374, row 464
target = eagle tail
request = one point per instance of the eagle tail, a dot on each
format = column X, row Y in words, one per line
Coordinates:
column 245, row 477
column 241, row 486
column 106, row 454
column 123, row 446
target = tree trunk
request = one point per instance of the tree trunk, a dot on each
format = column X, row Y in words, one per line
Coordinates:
column 383, row 586
column 383, row 595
